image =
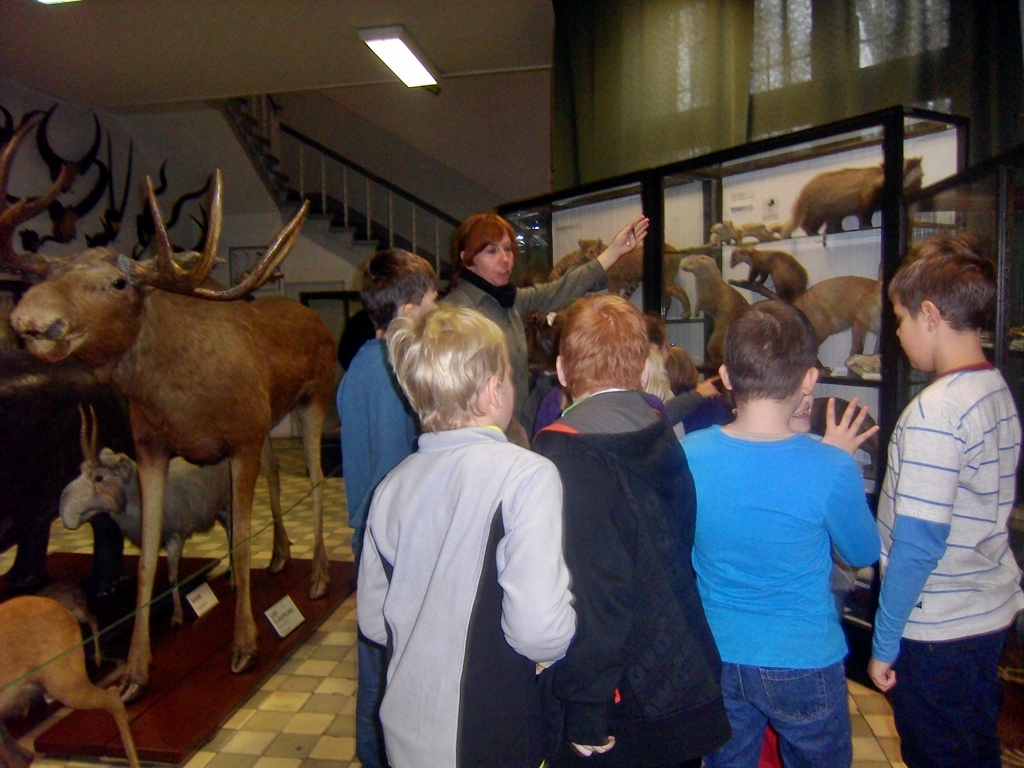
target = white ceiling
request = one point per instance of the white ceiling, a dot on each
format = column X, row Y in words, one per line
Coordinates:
column 491, row 121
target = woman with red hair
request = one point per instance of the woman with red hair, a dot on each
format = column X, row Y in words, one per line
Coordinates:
column 486, row 248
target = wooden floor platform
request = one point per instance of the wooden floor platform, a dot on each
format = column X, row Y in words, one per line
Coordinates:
column 192, row 690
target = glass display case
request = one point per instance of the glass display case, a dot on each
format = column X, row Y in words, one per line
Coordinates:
column 813, row 215
column 987, row 202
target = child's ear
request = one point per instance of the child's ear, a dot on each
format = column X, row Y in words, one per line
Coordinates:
column 931, row 313
column 560, row 372
column 723, row 372
column 809, row 380
column 492, row 394
column 406, row 309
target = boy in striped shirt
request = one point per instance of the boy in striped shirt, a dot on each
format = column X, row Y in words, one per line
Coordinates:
column 951, row 586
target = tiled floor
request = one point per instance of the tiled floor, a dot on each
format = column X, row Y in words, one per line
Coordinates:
column 303, row 716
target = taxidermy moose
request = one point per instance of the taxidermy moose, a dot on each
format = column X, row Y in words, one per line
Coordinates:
column 206, row 376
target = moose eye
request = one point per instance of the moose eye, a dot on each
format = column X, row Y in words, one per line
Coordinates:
column 120, row 284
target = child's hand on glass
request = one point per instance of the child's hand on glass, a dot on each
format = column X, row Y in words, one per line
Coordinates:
column 843, row 433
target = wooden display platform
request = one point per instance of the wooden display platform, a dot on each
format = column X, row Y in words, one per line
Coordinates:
column 192, row 690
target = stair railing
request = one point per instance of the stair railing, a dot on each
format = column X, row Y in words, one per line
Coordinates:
column 358, row 198
column 295, row 167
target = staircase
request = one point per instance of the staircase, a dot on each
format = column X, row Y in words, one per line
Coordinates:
column 352, row 210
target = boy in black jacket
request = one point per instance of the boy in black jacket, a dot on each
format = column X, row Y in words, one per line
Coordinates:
column 639, row 685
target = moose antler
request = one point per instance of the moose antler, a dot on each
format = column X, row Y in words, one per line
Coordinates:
column 90, row 442
column 163, row 271
column 14, row 214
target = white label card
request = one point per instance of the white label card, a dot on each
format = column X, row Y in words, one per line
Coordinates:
column 202, row 599
column 284, row 616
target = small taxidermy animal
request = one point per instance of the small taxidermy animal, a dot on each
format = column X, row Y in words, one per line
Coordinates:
column 626, row 275
column 727, row 232
column 830, row 197
column 788, row 275
column 839, row 303
column 716, row 298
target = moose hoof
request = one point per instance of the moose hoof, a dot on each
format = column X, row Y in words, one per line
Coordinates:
column 318, row 589
column 277, row 564
column 242, row 660
column 132, row 691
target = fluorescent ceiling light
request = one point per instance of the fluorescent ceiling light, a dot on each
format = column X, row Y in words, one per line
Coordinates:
column 395, row 47
column 55, row 2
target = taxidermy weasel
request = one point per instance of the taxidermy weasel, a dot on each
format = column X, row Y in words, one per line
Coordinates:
column 788, row 275
column 727, row 232
column 717, row 298
column 839, row 303
column 830, row 197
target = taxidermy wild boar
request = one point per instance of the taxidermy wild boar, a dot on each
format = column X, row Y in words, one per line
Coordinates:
column 830, row 197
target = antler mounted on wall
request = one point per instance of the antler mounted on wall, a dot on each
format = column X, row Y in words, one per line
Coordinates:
column 63, row 217
column 15, row 211
column 144, row 221
column 113, row 215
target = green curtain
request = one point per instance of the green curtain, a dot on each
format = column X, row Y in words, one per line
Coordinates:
column 641, row 83
column 646, row 82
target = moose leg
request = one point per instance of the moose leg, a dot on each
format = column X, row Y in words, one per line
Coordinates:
column 245, row 468
column 152, row 481
column 282, row 546
column 312, row 418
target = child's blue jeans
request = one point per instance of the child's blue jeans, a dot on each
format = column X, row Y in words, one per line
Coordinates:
column 807, row 707
column 946, row 701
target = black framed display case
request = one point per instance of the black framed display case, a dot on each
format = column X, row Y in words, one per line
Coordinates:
column 755, row 188
column 758, row 184
column 987, row 202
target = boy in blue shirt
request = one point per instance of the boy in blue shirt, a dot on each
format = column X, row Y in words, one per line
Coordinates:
column 771, row 504
column 378, row 430
column 950, row 586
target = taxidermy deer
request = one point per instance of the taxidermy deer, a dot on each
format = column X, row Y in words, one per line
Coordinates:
column 830, row 197
column 626, row 275
column 43, row 652
column 717, row 298
column 787, row 274
column 206, row 377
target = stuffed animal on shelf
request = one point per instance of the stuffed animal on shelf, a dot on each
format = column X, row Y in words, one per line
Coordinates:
column 788, row 275
column 627, row 274
column 830, row 197
column 716, row 298
column 838, row 303
column 731, row 234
